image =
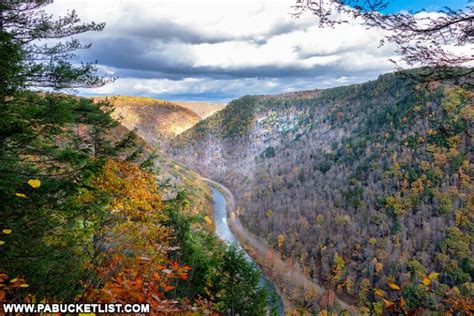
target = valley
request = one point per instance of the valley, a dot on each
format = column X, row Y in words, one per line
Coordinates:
column 338, row 180
column 360, row 187
column 333, row 186
column 157, row 121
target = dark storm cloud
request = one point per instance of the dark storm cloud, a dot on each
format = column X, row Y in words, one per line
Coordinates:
column 160, row 49
column 220, row 50
column 165, row 30
column 144, row 59
column 168, row 31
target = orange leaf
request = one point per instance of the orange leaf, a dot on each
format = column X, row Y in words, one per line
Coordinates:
column 387, row 303
column 393, row 286
column 379, row 292
column 208, row 220
column 426, row 281
column 402, row 302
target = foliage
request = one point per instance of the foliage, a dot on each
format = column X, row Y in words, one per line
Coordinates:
column 419, row 39
column 83, row 215
column 387, row 185
column 236, row 286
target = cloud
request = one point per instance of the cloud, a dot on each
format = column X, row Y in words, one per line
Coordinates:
column 222, row 49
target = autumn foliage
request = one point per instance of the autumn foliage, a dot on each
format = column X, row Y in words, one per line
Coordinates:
column 132, row 264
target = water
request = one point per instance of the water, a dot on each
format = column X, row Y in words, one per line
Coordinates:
column 223, row 232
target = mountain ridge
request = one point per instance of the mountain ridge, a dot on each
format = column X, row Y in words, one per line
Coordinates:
column 354, row 179
column 155, row 120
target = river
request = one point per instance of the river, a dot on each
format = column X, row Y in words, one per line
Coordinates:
column 223, row 232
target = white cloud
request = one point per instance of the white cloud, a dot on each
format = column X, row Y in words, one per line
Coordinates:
column 223, row 48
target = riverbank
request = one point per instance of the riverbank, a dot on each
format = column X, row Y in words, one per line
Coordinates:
column 291, row 283
column 223, row 231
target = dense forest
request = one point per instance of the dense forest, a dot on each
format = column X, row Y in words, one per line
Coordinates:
column 89, row 211
column 156, row 121
column 365, row 188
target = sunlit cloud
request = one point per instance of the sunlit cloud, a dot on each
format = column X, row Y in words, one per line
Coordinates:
column 223, row 49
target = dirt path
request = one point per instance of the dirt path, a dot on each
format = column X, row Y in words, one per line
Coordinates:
column 285, row 276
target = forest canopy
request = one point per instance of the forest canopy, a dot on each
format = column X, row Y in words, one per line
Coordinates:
column 83, row 218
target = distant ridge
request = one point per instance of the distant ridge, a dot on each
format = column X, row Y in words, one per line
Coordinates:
column 363, row 184
column 203, row 109
column 155, row 120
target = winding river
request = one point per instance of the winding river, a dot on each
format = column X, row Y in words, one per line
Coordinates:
column 223, row 232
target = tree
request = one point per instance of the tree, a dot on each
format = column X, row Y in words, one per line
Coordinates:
column 57, row 140
column 26, row 32
column 236, row 285
column 421, row 39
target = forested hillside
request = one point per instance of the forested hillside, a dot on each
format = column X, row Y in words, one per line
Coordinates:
column 90, row 213
column 155, row 120
column 366, row 188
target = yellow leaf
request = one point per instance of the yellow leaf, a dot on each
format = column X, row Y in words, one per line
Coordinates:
column 208, row 220
column 24, row 285
column 20, row 195
column 379, row 292
column 433, row 276
column 378, row 308
column 402, row 302
column 13, row 280
column 2, row 242
column 426, row 281
column 7, row 231
column 34, row 183
column 387, row 303
column 393, row 286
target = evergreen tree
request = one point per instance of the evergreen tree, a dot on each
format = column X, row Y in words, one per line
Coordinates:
column 237, row 286
column 50, row 145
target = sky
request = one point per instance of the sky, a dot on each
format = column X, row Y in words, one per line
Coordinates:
column 219, row 50
column 427, row 5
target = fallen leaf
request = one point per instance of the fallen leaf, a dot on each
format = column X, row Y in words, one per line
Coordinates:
column 7, row 231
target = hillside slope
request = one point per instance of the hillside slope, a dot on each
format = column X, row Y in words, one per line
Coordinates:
column 367, row 188
column 203, row 109
column 154, row 120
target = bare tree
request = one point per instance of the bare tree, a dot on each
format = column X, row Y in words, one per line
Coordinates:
column 439, row 41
